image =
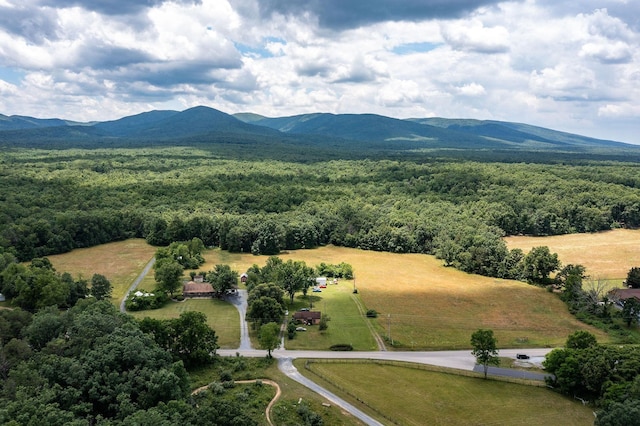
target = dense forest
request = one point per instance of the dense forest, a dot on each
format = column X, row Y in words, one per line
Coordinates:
column 55, row 200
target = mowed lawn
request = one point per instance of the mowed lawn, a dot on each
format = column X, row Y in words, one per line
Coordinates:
column 423, row 305
column 223, row 317
column 121, row 262
column 607, row 255
column 407, row 396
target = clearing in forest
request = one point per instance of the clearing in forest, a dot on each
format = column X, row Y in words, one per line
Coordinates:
column 607, row 255
column 424, row 305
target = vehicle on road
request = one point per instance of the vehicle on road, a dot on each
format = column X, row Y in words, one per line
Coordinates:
column 522, row 356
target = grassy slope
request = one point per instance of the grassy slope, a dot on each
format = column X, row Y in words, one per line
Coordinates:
column 606, row 255
column 419, row 397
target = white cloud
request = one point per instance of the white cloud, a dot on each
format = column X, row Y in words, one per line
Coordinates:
column 568, row 66
column 473, row 36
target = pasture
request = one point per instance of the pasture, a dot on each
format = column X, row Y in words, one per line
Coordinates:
column 420, row 397
column 121, row 262
column 424, row 305
column 607, row 255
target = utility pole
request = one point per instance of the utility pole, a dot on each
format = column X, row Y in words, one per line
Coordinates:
column 389, row 328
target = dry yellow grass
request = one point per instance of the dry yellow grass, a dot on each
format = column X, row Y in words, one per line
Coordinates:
column 606, row 255
column 430, row 306
column 121, row 262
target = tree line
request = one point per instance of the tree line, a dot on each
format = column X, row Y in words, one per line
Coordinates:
column 54, row 201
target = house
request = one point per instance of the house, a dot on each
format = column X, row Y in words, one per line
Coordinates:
column 308, row 317
column 194, row 289
column 620, row 294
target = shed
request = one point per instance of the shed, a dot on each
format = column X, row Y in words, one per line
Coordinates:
column 194, row 289
column 308, row 317
column 321, row 280
column 244, row 277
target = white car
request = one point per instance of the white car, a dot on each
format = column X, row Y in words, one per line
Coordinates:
column 301, row 329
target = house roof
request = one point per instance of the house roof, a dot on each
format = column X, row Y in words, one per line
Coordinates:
column 193, row 287
column 307, row 315
column 625, row 293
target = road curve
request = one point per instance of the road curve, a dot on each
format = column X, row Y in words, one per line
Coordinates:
column 286, row 366
column 135, row 283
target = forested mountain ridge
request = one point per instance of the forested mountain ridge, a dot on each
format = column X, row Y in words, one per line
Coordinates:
column 366, row 134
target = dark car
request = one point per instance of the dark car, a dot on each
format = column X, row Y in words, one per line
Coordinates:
column 522, row 356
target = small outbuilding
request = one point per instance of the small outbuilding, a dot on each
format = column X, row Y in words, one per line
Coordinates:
column 321, row 281
column 194, row 289
column 308, row 317
column 244, row 277
column 2, row 298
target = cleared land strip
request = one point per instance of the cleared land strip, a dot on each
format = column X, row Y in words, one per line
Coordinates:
column 376, row 336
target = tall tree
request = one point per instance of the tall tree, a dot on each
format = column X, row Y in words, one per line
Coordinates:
column 630, row 310
column 293, row 276
column 167, row 274
column 484, row 349
column 539, row 263
column 269, row 337
column 223, row 278
column 100, row 287
column 633, row 277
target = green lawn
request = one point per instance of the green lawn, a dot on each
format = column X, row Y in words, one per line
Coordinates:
column 347, row 325
column 408, row 396
column 221, row 316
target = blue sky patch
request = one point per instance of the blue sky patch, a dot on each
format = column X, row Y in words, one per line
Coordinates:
column 11, row 76
column 408, row 48
column 260, row 51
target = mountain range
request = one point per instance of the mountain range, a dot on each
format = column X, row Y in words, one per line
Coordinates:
column 335, row 131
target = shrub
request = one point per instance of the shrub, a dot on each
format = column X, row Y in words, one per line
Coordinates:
column 372, row 313
column 341, row 347
column 142, row 300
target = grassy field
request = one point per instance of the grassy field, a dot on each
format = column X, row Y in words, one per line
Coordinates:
column 346, row 324
column 121, row 262
column 606, row 255
column 221, row 316
column 419, row 397
column 424, row 305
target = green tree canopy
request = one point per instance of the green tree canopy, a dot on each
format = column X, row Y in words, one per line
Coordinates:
column 100, row 287
column 539, row 263
column 269, row 337
column 168, row 274
column 484, row 349
column 223, row 278
column 633, row 277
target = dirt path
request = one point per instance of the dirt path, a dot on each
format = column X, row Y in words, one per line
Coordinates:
column 376, row 336
column 266, row 382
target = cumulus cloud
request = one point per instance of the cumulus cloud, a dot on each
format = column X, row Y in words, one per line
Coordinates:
column 616, row 52
column 475, row 37
column 340, row 14
column 565, row 82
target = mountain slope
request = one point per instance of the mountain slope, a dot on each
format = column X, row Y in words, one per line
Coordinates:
column 378, row 129
column 18, row 122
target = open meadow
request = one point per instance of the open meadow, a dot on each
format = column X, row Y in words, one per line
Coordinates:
column 121, row 262
column 424, row 305
column 607, row 255
column 221, row 316
column 422, row 397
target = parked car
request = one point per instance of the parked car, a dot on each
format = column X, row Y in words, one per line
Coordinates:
column 317, row 290
column 522, row 356
column 303, row 309
column 301, row 329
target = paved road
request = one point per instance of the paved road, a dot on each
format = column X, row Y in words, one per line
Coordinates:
column 286, row 366
column 143, row 274
column 509, row 372
column 239, row 300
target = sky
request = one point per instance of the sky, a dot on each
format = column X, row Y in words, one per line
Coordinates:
column 566, row 65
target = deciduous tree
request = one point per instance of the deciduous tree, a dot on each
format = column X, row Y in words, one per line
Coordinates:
column 269, row 337
column 484, row 349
